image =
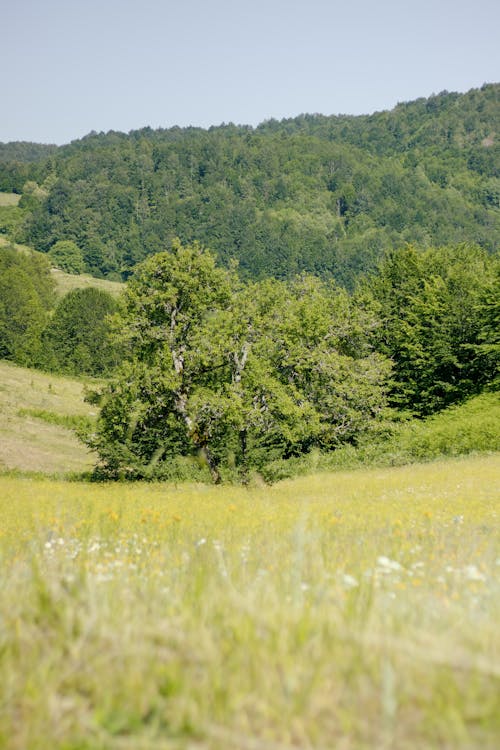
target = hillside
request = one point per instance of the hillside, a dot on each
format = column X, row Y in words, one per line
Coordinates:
column 37, row 412
column 65, row 282
column 324, row 194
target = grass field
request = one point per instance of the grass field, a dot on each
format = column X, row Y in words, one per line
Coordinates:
column 347, row 610
column 30, row 438
column 9, row 199
column 66, row 282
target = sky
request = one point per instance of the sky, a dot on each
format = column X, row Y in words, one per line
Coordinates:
column 75, row 66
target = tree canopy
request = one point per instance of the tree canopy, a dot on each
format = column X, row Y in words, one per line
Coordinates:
column 316, row 194
column 234, row 374
column 77, row 340
column 26, row 296
column 437, row 309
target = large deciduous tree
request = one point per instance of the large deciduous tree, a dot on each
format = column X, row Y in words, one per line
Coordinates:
column 238, row 375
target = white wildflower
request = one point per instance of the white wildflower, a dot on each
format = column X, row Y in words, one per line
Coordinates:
column 472, row 573
column 349, row 581
column 387, row 564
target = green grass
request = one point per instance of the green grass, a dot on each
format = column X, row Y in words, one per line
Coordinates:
column 355, row 610
column 66, row 282
column 38, row 415
column 5, row 242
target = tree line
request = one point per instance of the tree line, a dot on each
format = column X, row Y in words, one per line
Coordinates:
column 209, row 372
column 314, row 194
column 70, row 335
column 234, row 375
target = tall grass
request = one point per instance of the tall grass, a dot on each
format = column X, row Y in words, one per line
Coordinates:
column 346, row 610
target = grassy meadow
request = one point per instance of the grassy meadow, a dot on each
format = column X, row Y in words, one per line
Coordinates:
column 65, row 282
column 9, row 199
column 345, row 610
column 37, row 411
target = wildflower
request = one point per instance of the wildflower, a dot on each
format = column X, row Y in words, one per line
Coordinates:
column 387, row 564
column 473, row 574
column 349, row 581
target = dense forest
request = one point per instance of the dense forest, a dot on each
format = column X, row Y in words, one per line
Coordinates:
column 296, row 287
column 326, row 195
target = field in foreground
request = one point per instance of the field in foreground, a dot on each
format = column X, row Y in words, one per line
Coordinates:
column 348, row 610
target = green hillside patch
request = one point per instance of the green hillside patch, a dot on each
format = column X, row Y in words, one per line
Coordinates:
column 38, row 417
column 9, row 199
column 66, row 282
column 321, row 194
column 5, row 242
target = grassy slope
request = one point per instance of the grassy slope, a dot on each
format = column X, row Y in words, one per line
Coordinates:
column 28, row 443
column 65, row 282
column 354, row 610
column 9, row 199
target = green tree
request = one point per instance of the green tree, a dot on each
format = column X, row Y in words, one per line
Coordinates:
column 26, row 295
column 78, row 338
column 22, row 318
column 67, row 256
column 489, row 313
column 429, row 302
column 236, row 374
column 165, row 305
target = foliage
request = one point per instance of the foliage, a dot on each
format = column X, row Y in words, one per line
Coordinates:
column 26, row 295
column 67, row 256
column 325, row 195
column 78, row 338
column 489, row 310
column 239, row 374
column 471, row 427
column 434, row 318
column 10, row 219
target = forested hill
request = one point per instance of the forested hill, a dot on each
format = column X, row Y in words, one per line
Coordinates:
column 314, row 193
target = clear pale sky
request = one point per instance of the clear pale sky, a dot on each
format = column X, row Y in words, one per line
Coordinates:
column 72, row 66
